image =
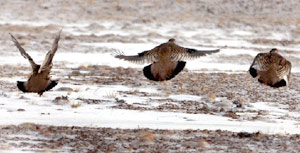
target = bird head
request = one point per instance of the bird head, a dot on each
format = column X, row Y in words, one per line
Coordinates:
column 274, row 50
column 172, row 40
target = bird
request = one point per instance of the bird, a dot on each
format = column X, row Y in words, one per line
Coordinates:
column 167, row 59
column 39, row 80
column 271, row 69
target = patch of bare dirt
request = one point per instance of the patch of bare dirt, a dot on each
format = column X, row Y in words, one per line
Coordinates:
column 41, row 138
column 274, row 42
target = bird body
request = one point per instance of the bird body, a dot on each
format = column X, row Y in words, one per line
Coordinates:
column 163, row 70
column 271, row 68
column 39, row 80
column 164, row 67
column 167, row 60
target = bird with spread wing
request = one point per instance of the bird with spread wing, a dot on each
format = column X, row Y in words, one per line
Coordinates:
column 39, row 81
column 168, row 60
column 271, row 68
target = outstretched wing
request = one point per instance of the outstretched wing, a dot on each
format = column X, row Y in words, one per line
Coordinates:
column 23, row 52
column 140, row 58
column 181, row 53
column 47, row 63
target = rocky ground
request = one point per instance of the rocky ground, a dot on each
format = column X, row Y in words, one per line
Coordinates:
column 238, row 92
column 40, row 138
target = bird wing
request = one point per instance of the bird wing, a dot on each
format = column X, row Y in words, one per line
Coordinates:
column 181, row 53
column 141, row 58
column 261, row 62
column 23, row 52
column 47, row 63
column 177, row 53
column 284, row 68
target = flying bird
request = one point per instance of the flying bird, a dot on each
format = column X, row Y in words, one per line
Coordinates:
column 271, row 68
column 167, row 60
column 39, row 80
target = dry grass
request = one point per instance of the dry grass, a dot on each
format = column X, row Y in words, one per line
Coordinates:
column 166, row 88
column 181, row 84
column 212, row 96
column 76, row 104
column 77, row 90
column 61, row 100
column 147, row 137
column 5, row 147
column 90, row 2
column 203, row 143
column 46, row 133
column 111, row 95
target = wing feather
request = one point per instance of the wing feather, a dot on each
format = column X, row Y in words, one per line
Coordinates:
column 284, row 68
column 47, row 63
column 141, row 58
column 23, row 52
column 181, row 53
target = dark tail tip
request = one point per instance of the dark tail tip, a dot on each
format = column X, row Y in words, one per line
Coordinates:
column 21, row 86
column 253, row 72
column 281, row 83
column 180, row 66
column 148, row 74
column 51, row 85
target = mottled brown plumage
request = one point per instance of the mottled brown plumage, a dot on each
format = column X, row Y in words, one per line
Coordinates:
column 167, row 60
column 39, row 81
column 271, row 68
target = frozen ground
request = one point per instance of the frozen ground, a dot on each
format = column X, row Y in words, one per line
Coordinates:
column 104, row 104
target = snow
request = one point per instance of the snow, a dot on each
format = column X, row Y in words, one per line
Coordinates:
column 93, row 116
column 185, row 97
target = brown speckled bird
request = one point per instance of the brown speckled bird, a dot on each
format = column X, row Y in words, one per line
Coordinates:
column 271, row 68
column 167, row 60
column 39, row 81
